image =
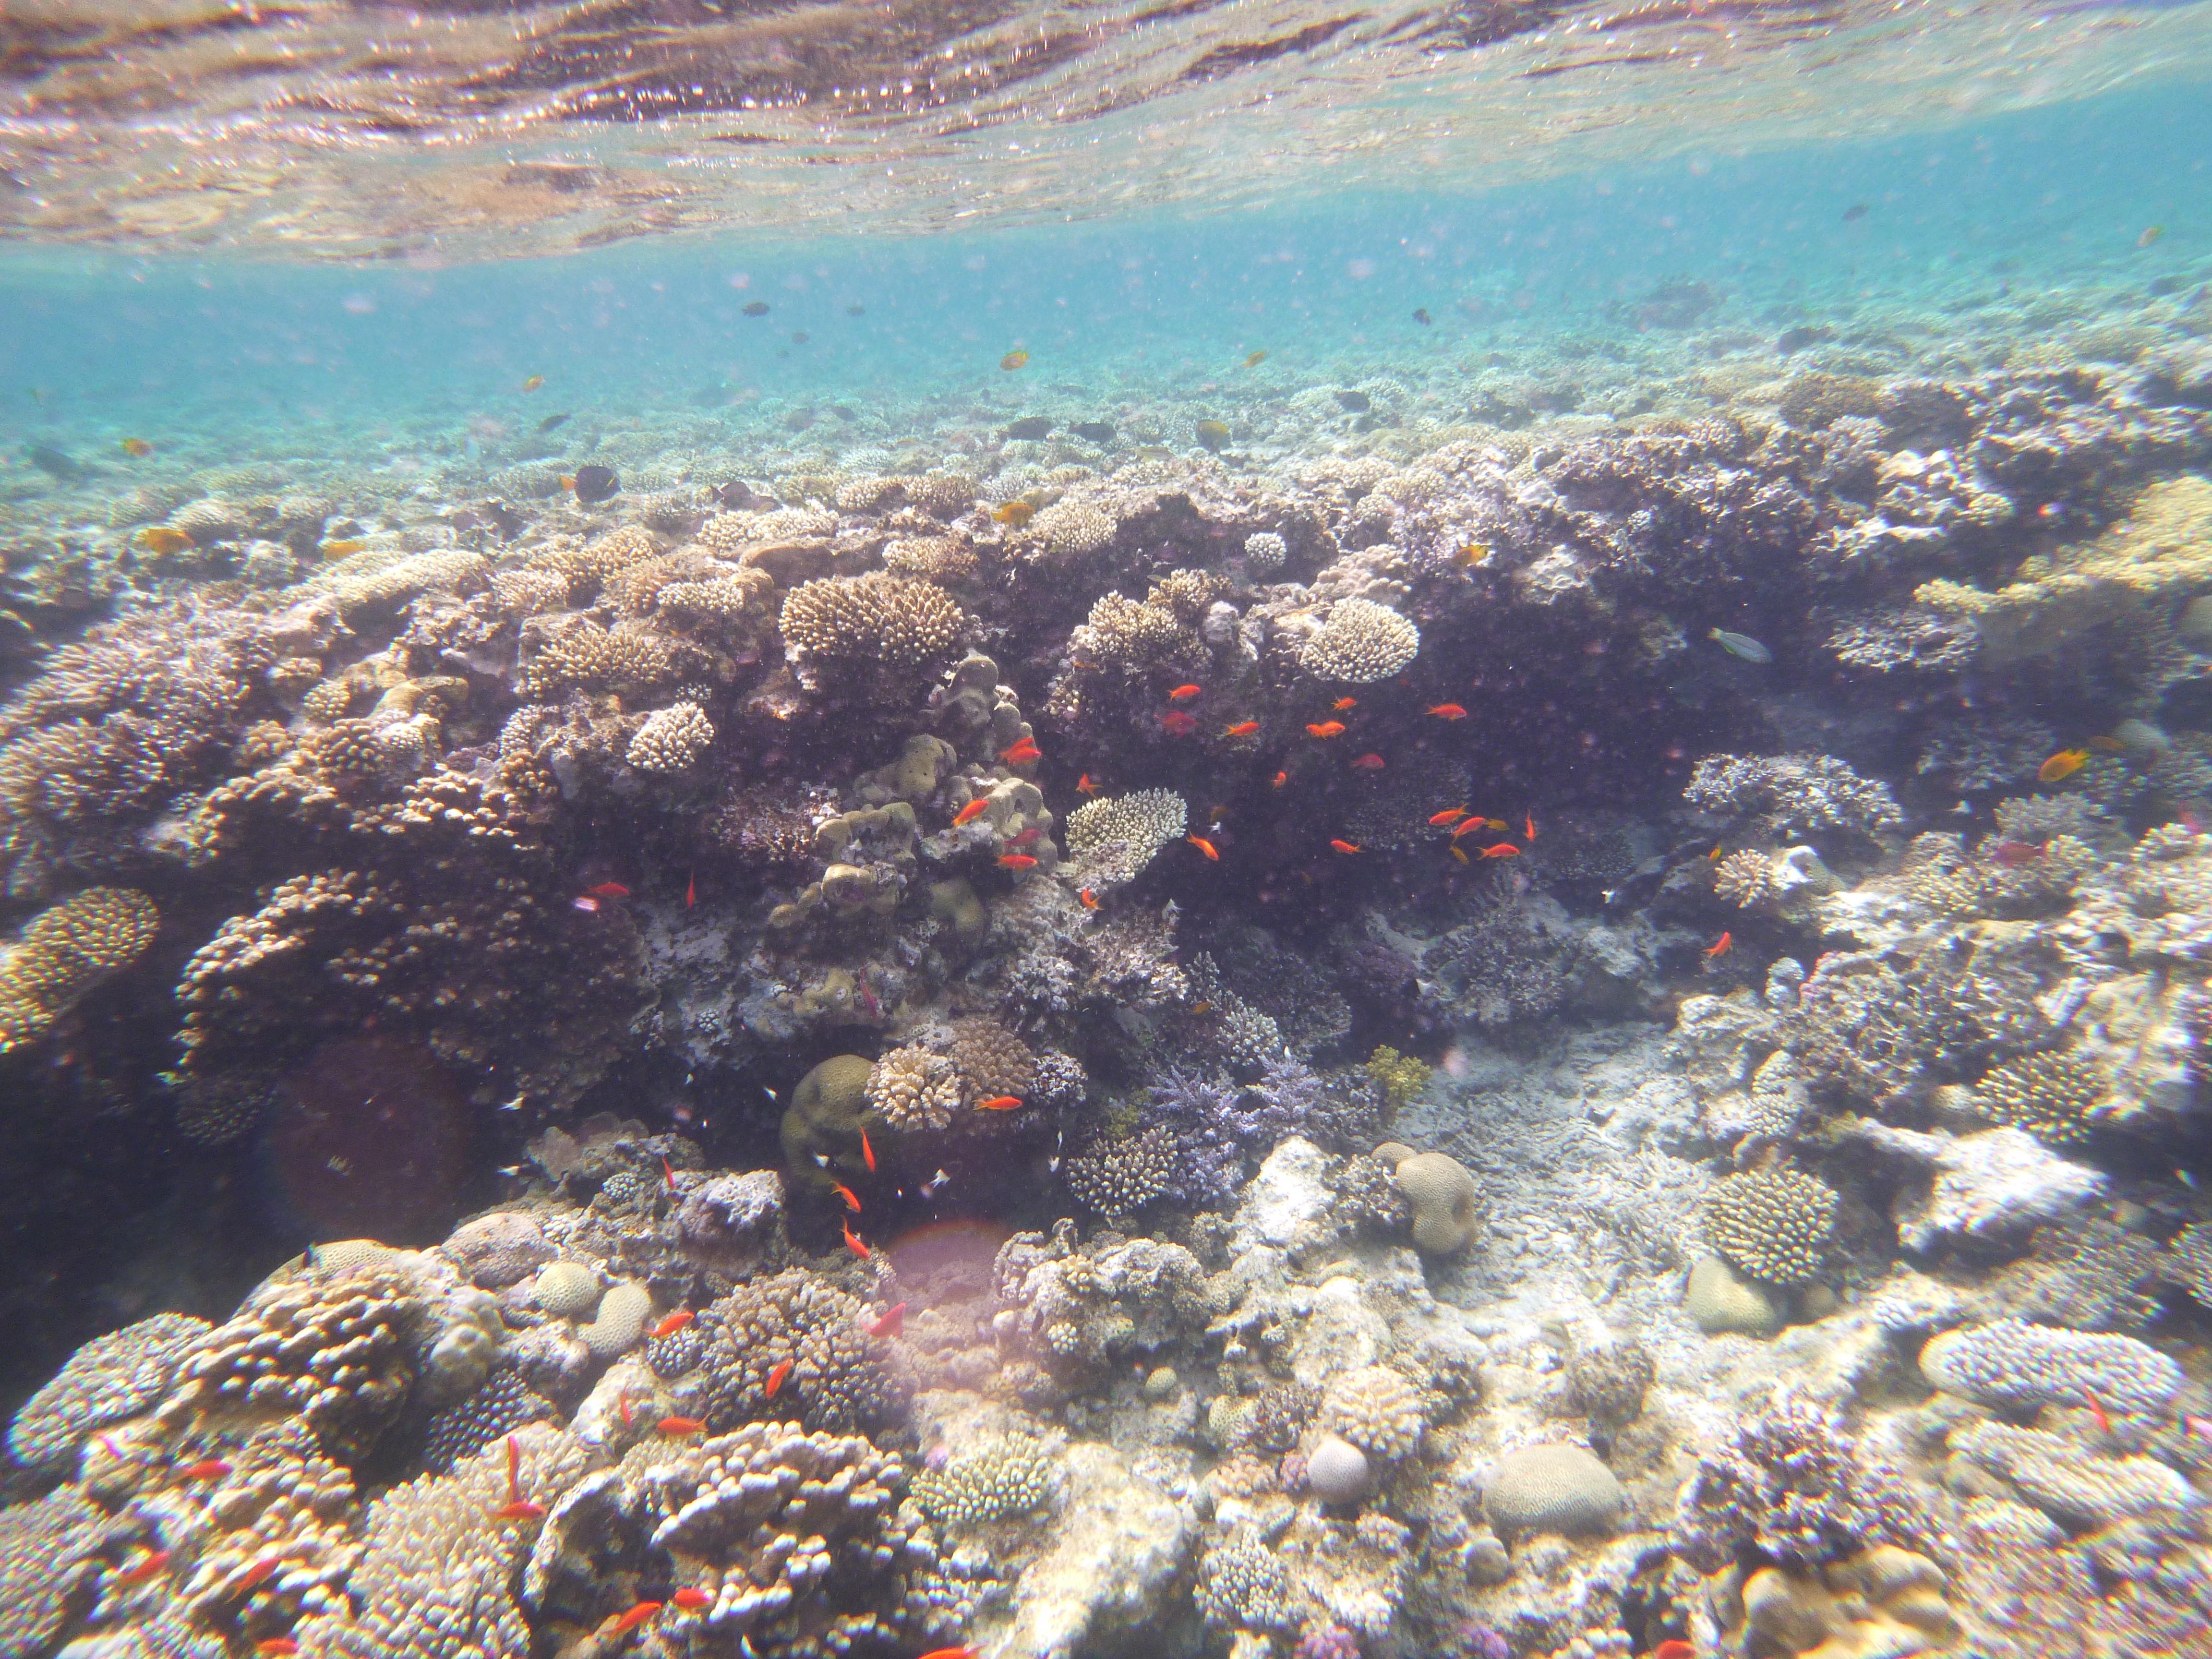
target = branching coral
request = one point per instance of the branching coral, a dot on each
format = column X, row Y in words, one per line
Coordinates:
column 64, row 952
column 841, row 1377
column 108, row 1379
column 1786, row 796
column 912, row 1090
column 2051, row 1095
column 878, row 621
column 1117, row 1178
column 672, row 740
column 994, row 1482
column 1360, row 643
column 1773, row 1223
column 1111, row 840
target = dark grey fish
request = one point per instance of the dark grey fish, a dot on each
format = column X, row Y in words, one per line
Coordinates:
column 1356, row 401
column 1030, row 426
column 550, row 421
column 1093, row 432
column 51, row 462
column 597, row 484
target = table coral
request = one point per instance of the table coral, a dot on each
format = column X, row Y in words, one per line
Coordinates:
column 64, row 952
column 108, row 1379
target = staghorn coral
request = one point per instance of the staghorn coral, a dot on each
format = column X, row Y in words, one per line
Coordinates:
column 1361, row 643
column 1786, row 796
column 64, row 952
column 1117, row 1178
column 1111, row 839
column 879, row 621
column 994, row 1482
column 2050, row 1095
column 841, row 1378
column 672, row 740
column 1793, row 1485
column 912, row 1088
column 1773, row 1223
column 108, row 1379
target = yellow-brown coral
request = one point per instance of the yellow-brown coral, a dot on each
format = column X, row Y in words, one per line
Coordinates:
column 64, row 952
column 877, row 618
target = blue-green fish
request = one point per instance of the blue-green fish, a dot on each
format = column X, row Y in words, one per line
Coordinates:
column 1741, row 645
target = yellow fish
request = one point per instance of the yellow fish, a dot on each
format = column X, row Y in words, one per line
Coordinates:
column 339, row 549
column 2151, row 233
column 2064, row 764
column 1212, row 435
column 1013, row 360
column 1255, row 359
column 533, row 383
column 1016, row 513
column 159, row 538
column 136, row 447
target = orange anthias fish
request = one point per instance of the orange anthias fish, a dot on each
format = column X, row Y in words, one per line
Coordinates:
column 969, row 813
column 1470, row 827
column 692, row 891
column 1016, row 862
column 999, row 1103
column 775, row 1379
column 2064, row 764
column 1449, row 815
column 1085, row 787
column 951, row 1653
column 1022, row 753
column 1205, row 847
column 852, row 1199
column 630, row 1621
column 210, row 1469
column 257, row 1574
column 1529, row 825
column 146, row 1569
column 1460, row 853
column 521, row 1510
column 680, row 1425
column 675, row 1323
column 1281, row 778
column 1089, row 899
column 867, row 1152
column 1343, row 703
column 1185, row 693
column 1327, row 729
column 691, row 1598
column 1178, row 723
column 1504, row 849
column 1722, row 945
column 852, row 1242
column 136, row 448
column 1345, row 846
column 1013, row 360
column 1368, row 763
column 609, row 889
column 892, row 1322
column 533, row 383
column 1449, row 711
column 276, row 1647
column 1673, row 1648
column 1242, row 729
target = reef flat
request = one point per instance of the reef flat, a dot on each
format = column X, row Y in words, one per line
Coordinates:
column 1546, row 1004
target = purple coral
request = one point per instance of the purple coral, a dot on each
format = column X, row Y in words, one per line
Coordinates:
column 1326, row 1642
column 1215, row 1119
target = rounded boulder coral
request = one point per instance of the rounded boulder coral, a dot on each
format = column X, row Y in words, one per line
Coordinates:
column 1360, row 643
column 1447, row 1204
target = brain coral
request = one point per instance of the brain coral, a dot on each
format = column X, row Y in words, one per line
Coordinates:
column 1360, row 643
column 879, row 618
column 1114, row 838
column 673, row 740
column 1375, row 1408
column 1773, row 1223
column 1550, row 1489
column 108, row 1379
column 912, row 1088
column 1447, row 1204
column 841, row 1377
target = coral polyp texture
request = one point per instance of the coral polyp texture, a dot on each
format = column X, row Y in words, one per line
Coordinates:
column 1775, row 1225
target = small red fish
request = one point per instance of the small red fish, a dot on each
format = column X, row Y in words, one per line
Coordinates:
column 2097, row 1412
column 1504, row 849
column 951, row 1653
column 1345, row 846
column 277, row 1647
column 675, row 1323
column 1722, row 945
column 1327, row 729
column 1529, row 825
column 630, row 1621
column 692, row 891
column 1449, row 711
column 969, row 813
column 1185, row 693
column 999, row 1103
column 690, row 1599
column 892, row 1322
column 148, row 1568
column 1242, row 729
column 609, row 889
column 1088, row 899
column 1343, row 703
column 1028, row 837
column 521, row 1510
column 1281, row 778
column 775, row 1378
column 867, row 1152
column 1449, row 815
column 679, row 1425
column 668, row 1174
column 1205, row 847
column 1368, row 763
column 1468, row 827
column 1085, row 787
column 628, row 1416
column 1022, row 753
column 854, row 1243
column 211, row 1468
column 1673, row 1648
column 2014, row 854
column 1176, row 724
column 852, row 1199
column 258, row 1575
column 1016, row 861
